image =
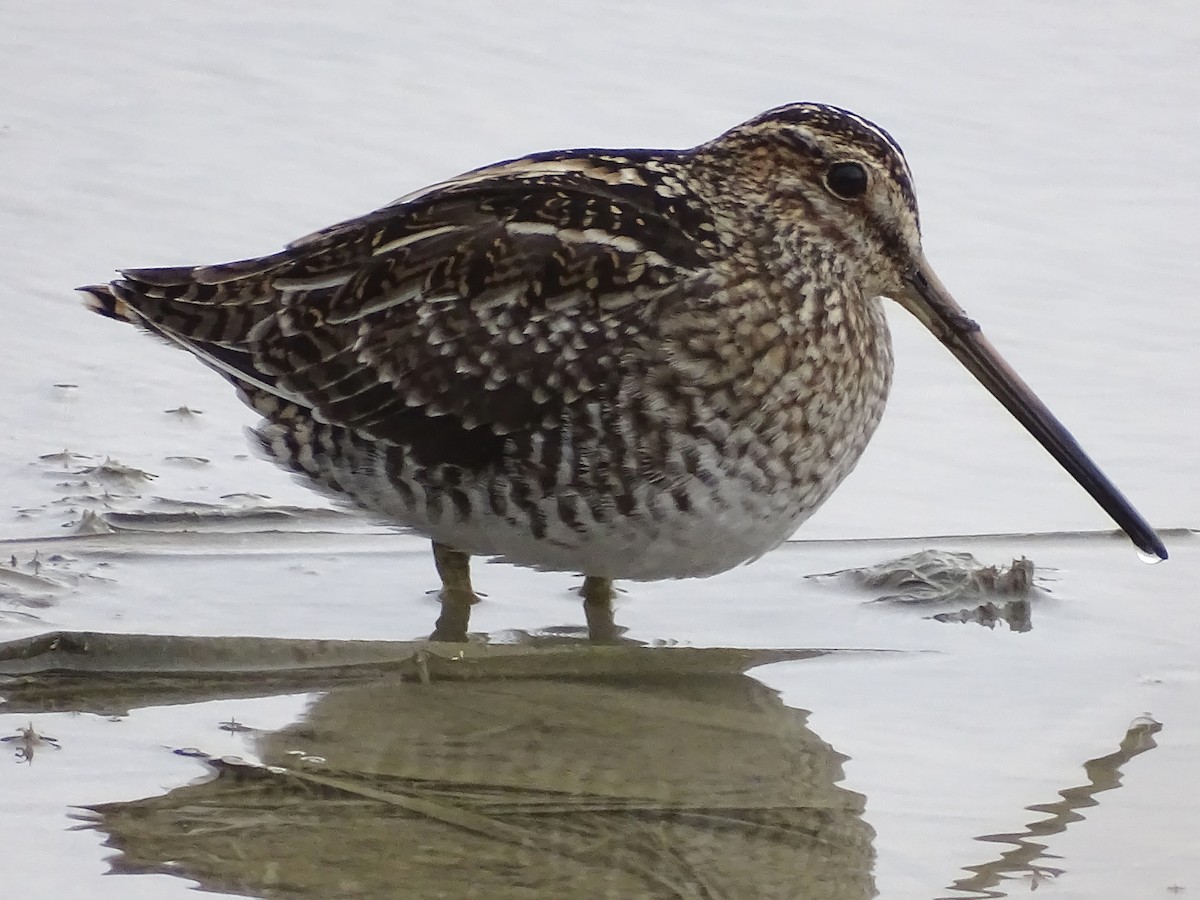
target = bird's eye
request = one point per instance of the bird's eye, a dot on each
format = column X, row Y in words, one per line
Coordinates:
column 846, row 180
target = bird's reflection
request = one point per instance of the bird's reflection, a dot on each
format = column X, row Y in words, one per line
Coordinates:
column 454, row 619
column 545, row 765
column 1027, row 857
column 664, row 784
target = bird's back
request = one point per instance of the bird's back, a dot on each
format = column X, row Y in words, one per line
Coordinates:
column 567, row 360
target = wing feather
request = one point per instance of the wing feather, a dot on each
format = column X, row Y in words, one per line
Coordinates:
column 501, row 302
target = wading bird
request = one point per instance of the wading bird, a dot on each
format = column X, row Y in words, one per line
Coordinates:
column 638, row 364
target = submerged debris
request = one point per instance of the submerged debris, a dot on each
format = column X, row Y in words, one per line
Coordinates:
column 110, row 470
column 37, row 582
column 939, row 576
column 91, row 522
column 26, row 742
column 942, row 577
column 64, row 456
column 194, row 461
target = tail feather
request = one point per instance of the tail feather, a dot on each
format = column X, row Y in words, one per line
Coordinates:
column 242, row 270
column 217, row 334
column 100, row 299
column 220, row 312
column 164, row 276
column 210, row 304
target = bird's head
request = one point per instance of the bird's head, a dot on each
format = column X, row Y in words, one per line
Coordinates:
column 833, row 180
column 836, row 191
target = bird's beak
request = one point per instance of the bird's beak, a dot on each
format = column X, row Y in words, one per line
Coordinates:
column 927, row 299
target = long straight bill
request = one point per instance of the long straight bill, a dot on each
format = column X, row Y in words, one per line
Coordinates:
column 930, row 302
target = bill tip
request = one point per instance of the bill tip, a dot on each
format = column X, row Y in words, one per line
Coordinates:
column 1152, row 552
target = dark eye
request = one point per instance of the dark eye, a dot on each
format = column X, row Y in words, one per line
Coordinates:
column 847, row 180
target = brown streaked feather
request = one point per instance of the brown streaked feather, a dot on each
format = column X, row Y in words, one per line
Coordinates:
column 447, row 322
column 485, row 328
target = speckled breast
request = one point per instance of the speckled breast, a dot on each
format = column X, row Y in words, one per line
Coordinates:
column 707, row 454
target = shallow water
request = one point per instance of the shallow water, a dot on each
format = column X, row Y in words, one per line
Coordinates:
column 1066, row 734
column 1051, row 148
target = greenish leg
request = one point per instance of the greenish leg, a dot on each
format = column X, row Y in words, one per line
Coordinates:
column 598, row 594
column 457, row 595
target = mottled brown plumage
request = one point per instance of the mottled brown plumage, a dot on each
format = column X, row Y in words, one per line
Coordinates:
column 640, row 364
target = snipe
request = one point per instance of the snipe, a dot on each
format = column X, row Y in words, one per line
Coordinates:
column 636, row 364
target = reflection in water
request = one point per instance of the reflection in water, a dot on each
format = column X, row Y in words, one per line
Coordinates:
column 542, row 767
column 454, row 618
column 703, row 786
column 1103, row 773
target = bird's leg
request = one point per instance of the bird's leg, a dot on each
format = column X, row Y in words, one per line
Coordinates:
column 598, row 596
column 457, row 595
